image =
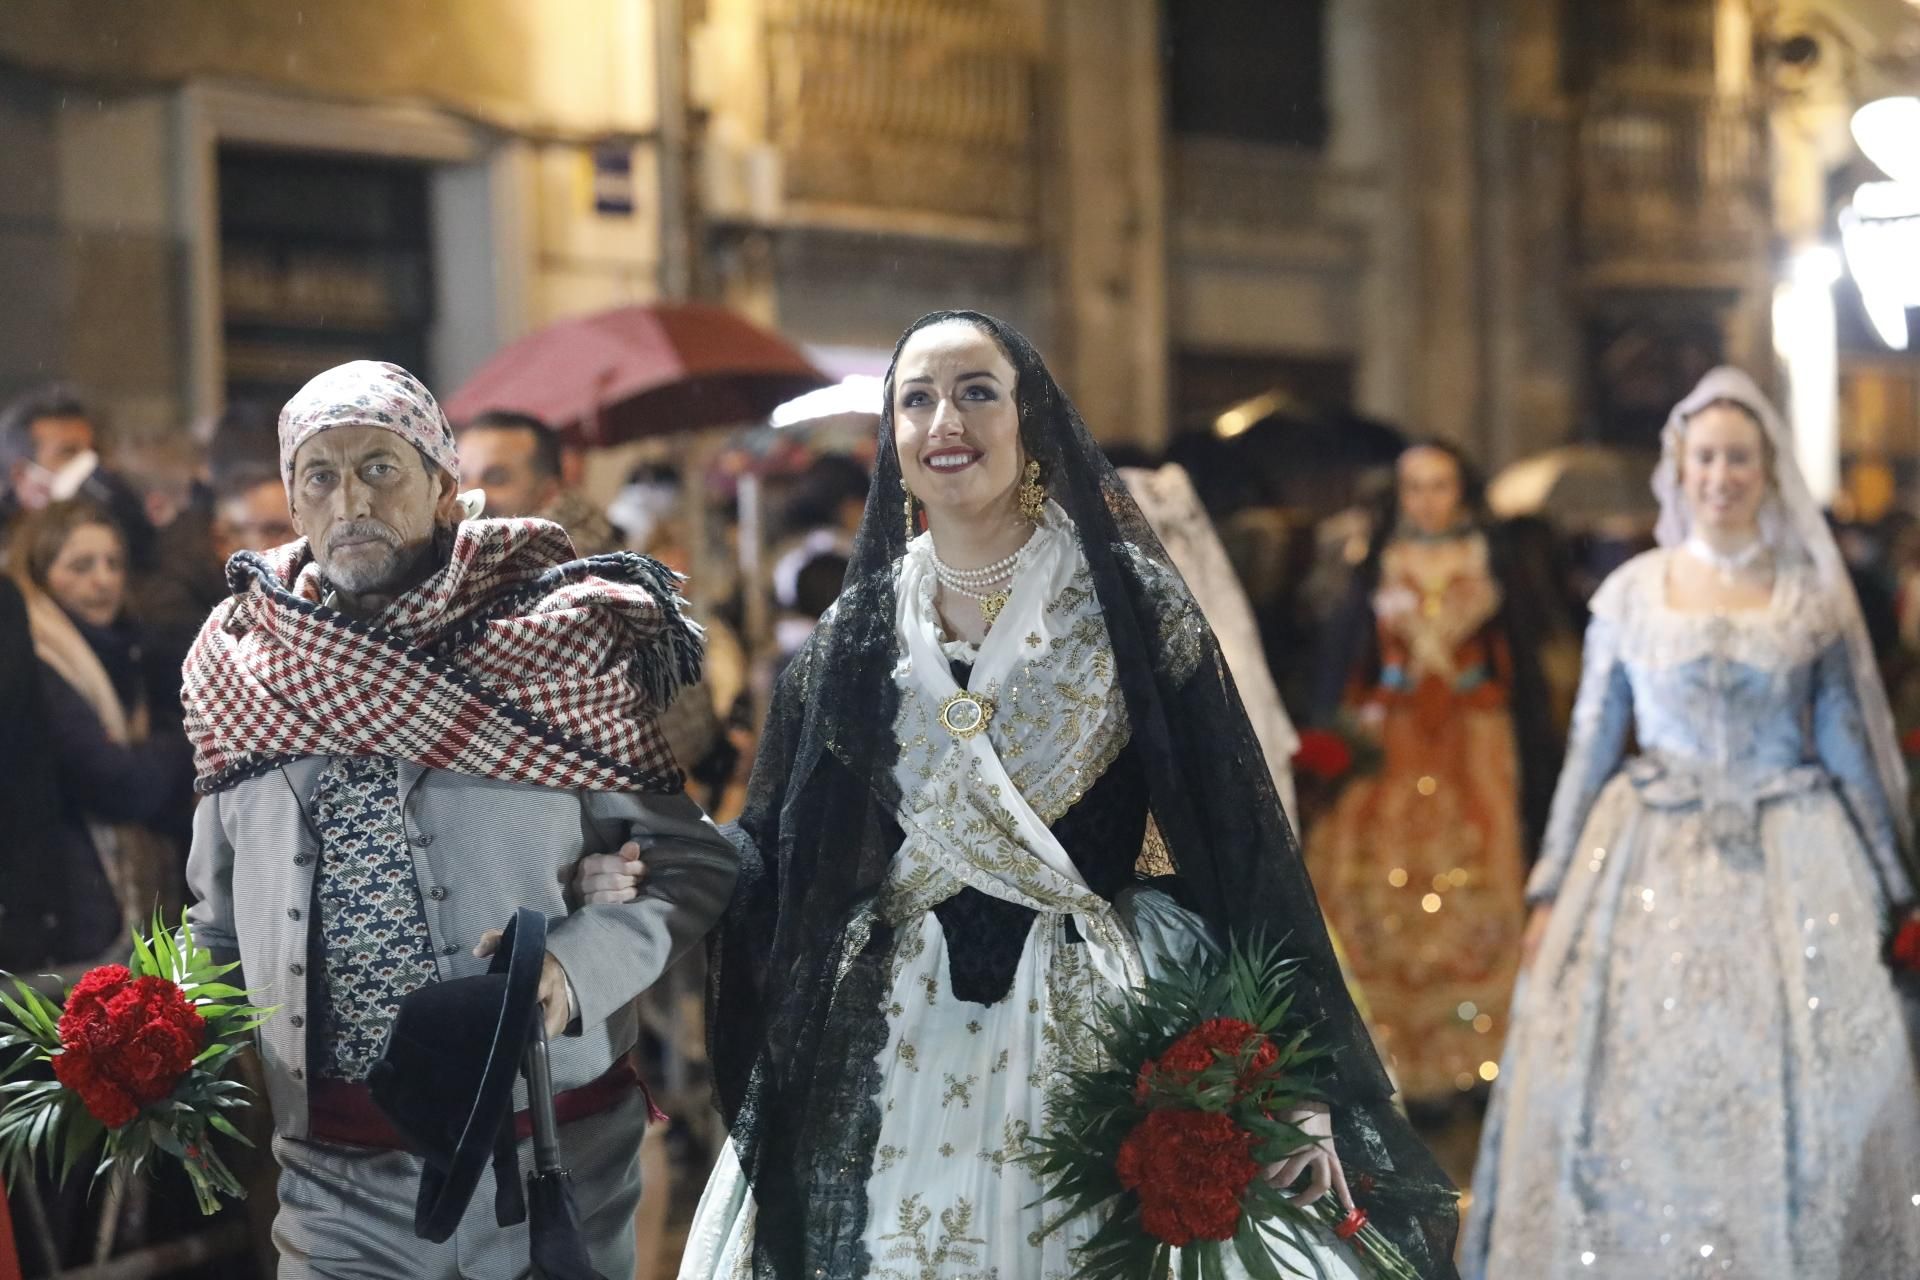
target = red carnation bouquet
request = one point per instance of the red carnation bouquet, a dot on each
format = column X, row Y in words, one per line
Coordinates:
column 1903, row 951
column 1330, row 759
column 1324, row 754
column 136, row 1056
column 1166, row 1141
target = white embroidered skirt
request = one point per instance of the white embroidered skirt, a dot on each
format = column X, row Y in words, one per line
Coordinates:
column 962, row 1085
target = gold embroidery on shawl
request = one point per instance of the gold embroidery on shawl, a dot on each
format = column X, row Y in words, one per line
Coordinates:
column 1060, row 723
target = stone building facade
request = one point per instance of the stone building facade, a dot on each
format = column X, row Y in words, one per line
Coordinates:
column 1500, row 221
column 487, row 120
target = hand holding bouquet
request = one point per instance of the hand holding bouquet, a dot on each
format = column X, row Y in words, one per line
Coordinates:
column 137, row 1055
column 1171, row 1142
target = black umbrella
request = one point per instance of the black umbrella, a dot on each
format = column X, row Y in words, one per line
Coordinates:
column 553, row 1219
column 1274, row 450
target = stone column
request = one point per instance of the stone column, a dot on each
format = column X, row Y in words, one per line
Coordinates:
column 1442, row 191
column 1106, row 201
column 1532, row 343
column 122, row 261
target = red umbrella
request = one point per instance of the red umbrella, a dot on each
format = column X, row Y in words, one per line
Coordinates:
column 639, row 371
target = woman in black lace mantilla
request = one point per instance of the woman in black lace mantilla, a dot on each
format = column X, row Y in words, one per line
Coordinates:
column 1008, row 774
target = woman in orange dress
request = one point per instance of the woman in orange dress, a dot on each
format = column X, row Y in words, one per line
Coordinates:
column 1420, row 865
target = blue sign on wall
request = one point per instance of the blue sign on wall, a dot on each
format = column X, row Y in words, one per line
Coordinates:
column 613, row 179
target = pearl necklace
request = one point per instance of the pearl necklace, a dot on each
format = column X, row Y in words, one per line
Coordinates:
column 1727, row 565
column 980, row 585
column 985, row 573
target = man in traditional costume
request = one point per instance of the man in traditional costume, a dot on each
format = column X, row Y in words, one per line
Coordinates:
column 407, row 725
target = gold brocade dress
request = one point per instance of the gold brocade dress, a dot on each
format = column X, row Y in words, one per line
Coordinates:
column 1419, row 867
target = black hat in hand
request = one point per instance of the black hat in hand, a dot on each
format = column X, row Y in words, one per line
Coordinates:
column 446, row 1078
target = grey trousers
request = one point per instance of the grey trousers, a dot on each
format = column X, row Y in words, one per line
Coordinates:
column 346, row 1213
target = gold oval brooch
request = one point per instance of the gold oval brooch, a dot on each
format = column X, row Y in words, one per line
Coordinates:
column 965, row 714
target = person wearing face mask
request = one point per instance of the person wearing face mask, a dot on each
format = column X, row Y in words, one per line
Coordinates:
column 50, row 451
column 409, row 723
column 48, row 447
column 121, row 764
column 1421, row 863
column 1709, row 1071
column 1007, row 777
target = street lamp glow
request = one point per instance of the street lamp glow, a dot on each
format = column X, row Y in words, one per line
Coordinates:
column 1817, row 266
column 857, row 393
column 1880, row 231
column 1806, row 338
column 1888, row 132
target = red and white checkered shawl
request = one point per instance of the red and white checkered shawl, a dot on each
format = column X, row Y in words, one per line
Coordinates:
column 514, row 661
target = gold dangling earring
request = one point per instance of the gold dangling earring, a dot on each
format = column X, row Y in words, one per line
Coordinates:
column 1032, row 497
column 908, row 505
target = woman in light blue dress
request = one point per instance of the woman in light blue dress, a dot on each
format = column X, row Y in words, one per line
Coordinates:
column 1709, row 1072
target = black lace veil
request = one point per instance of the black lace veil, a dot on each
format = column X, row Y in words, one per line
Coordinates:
column 794, row 1012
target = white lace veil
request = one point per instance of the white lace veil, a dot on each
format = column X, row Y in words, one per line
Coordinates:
column 1795, row 528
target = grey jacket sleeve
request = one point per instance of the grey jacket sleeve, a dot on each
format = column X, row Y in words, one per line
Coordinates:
column 210, row 876
column 614, row 952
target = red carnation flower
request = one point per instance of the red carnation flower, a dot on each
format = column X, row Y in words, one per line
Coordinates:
column 1213, row 1040
column 90, row 995
column 1323, row 755
column 1189, row 1169
column 1180, row 1220
column 155, row 1058
column 1910, row 742
column 78, row 1069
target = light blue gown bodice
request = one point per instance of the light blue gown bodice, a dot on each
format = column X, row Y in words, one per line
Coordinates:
column 1729, row 716
column 1728, row 711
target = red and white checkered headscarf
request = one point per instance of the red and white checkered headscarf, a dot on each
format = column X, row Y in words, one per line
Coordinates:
column 514, row 660
column 367, row 393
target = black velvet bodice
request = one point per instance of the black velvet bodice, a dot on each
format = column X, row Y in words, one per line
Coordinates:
column 1102, row 833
